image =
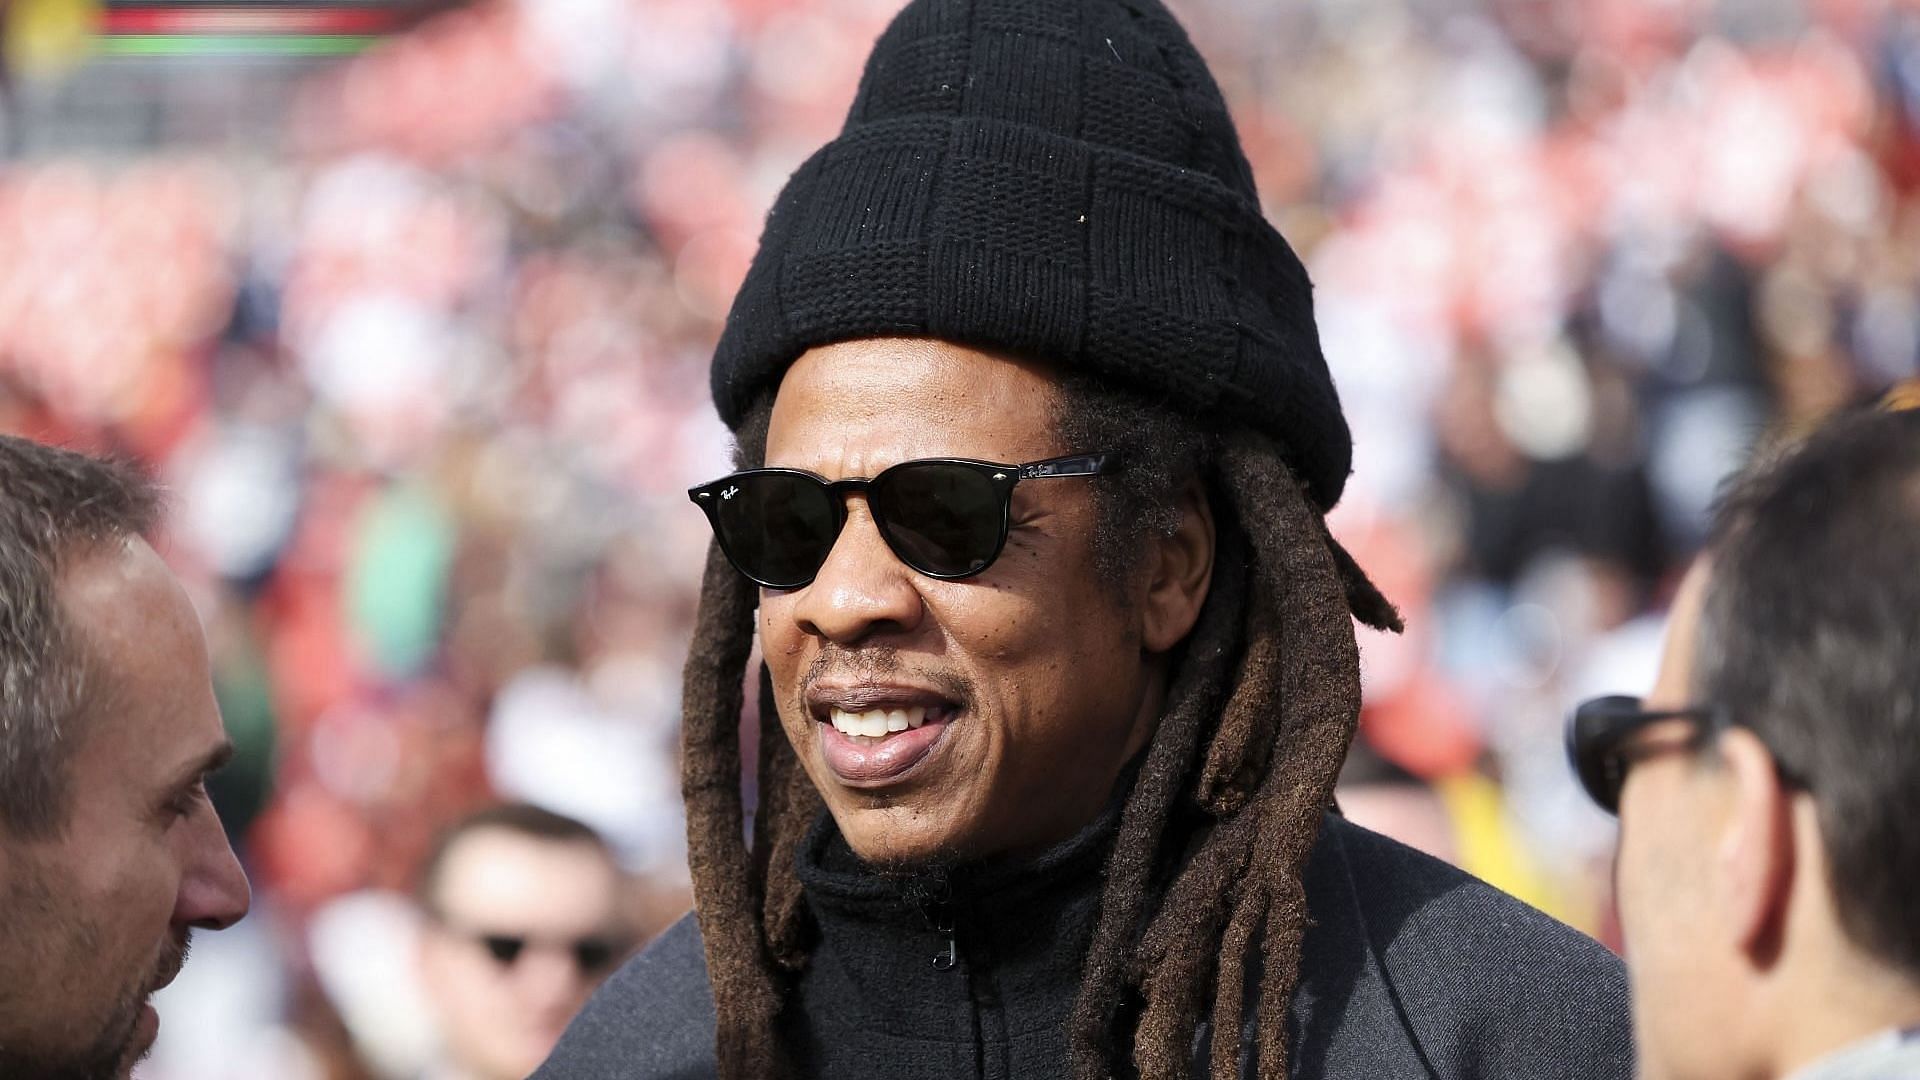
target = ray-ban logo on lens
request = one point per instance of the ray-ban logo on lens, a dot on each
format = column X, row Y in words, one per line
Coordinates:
column 730, row 493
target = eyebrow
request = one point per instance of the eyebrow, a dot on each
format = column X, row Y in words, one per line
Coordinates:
column 206, row 764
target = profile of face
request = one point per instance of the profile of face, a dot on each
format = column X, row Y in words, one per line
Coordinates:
column 1698, row 874
column 98, row 915
column 523, row 930
column 1030, row 684
column 1658, row 870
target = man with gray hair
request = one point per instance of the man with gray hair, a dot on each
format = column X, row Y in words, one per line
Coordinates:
column 110, row 853
column 1769, row 787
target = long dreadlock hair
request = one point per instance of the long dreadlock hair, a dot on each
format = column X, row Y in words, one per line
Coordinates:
column 1203, row 889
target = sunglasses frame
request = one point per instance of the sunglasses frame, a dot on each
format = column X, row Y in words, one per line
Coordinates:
column 1600, row 727
column 516, row 946
column 1004, row 477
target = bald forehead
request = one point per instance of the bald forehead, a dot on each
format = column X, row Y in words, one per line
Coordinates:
column 496, row 871
column 1673, row 687
column 131, row 621
column 118, row 590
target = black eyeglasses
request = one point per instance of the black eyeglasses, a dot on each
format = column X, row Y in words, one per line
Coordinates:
column 1600, row 730
column 944, row 517
column 591, row 955
column 1598, row 734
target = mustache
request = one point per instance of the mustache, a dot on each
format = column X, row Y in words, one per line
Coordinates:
column 871, row 664
column 173, row 957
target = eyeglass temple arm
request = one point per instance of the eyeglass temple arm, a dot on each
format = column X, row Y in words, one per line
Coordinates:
column 1075, row 465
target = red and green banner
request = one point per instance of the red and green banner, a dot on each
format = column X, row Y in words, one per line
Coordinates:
column 215, row 28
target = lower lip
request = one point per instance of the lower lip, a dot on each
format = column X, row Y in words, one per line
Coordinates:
column 869, row 763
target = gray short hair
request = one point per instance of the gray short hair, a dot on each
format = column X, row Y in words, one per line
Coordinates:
column 54, row 504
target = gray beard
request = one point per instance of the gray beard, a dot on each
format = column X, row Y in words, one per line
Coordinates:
column 109, row 1053
column 109, row 1057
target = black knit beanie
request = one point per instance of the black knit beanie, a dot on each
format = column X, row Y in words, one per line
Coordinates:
column 1059, row 180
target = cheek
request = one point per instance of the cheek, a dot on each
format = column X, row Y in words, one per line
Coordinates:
column 1660, row 909
column 1060, row 674
column 135, row 886
column 786, row 651
column 784, row 647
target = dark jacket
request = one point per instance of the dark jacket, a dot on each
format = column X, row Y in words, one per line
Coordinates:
column 1409, row 969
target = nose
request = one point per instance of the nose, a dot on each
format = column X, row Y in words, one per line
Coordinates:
column 547, row 979
column 862, row 589
column 213, row 892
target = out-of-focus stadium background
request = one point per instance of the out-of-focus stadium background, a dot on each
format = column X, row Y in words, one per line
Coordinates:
column 415, row 327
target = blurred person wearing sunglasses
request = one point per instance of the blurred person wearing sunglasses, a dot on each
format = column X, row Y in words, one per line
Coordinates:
column 1035, row 447
column 110, row 853
column 1768, row 787
column 525, row 913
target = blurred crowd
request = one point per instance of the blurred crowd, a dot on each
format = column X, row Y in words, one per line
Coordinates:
column 423, row 365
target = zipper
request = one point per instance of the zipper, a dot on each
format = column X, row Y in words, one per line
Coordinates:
column 940, row 918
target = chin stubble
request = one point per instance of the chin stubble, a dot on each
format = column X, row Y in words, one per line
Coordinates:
column 110, row 1054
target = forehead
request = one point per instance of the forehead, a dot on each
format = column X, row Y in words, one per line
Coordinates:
column 854, row 407
column 505, row 880
column 1673, row 687
column 149, row 704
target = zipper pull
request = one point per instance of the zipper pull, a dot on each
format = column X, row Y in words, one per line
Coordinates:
column 940, row 917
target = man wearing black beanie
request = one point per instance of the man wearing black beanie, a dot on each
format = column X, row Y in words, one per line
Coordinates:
column 1036, row 442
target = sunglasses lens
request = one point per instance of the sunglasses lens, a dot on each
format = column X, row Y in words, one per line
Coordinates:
column 777, row 527
column 941, row 518
column 504, row 950
column 592, row 955
column 1599, row 726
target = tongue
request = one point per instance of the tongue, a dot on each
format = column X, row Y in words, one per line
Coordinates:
column 874, row 762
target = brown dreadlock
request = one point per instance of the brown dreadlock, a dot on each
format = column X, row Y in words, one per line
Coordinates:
column 1188, row 910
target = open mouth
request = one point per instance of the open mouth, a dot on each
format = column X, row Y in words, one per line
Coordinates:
column 873, row 737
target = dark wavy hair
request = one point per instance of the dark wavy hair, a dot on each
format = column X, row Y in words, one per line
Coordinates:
column 1811, row 637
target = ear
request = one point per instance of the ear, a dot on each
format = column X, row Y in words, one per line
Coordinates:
column 1180, row 569
column 1755, row 855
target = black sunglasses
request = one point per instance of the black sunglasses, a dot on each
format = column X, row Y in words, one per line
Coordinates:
column 591, row 955
column 944, row 517
column 1598, row 734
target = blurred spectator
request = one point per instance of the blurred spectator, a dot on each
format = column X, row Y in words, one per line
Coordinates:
column 525, row 912
column 1376, row 794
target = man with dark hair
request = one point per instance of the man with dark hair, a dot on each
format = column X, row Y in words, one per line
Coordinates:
column 1037, row 441
column 524, row 915
column 110, row 854
column 1769, row 787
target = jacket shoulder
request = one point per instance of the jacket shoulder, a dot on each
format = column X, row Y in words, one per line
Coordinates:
column 652, row 1020
column 1489, row 986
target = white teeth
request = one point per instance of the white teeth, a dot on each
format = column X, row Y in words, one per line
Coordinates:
column 877, row 723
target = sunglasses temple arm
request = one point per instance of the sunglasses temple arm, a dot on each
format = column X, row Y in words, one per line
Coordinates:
column 1076, row 465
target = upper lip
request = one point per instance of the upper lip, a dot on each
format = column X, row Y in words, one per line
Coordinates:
column 170, row 970
column 823, row 697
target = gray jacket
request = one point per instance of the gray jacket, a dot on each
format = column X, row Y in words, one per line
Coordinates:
column 1410, row 968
